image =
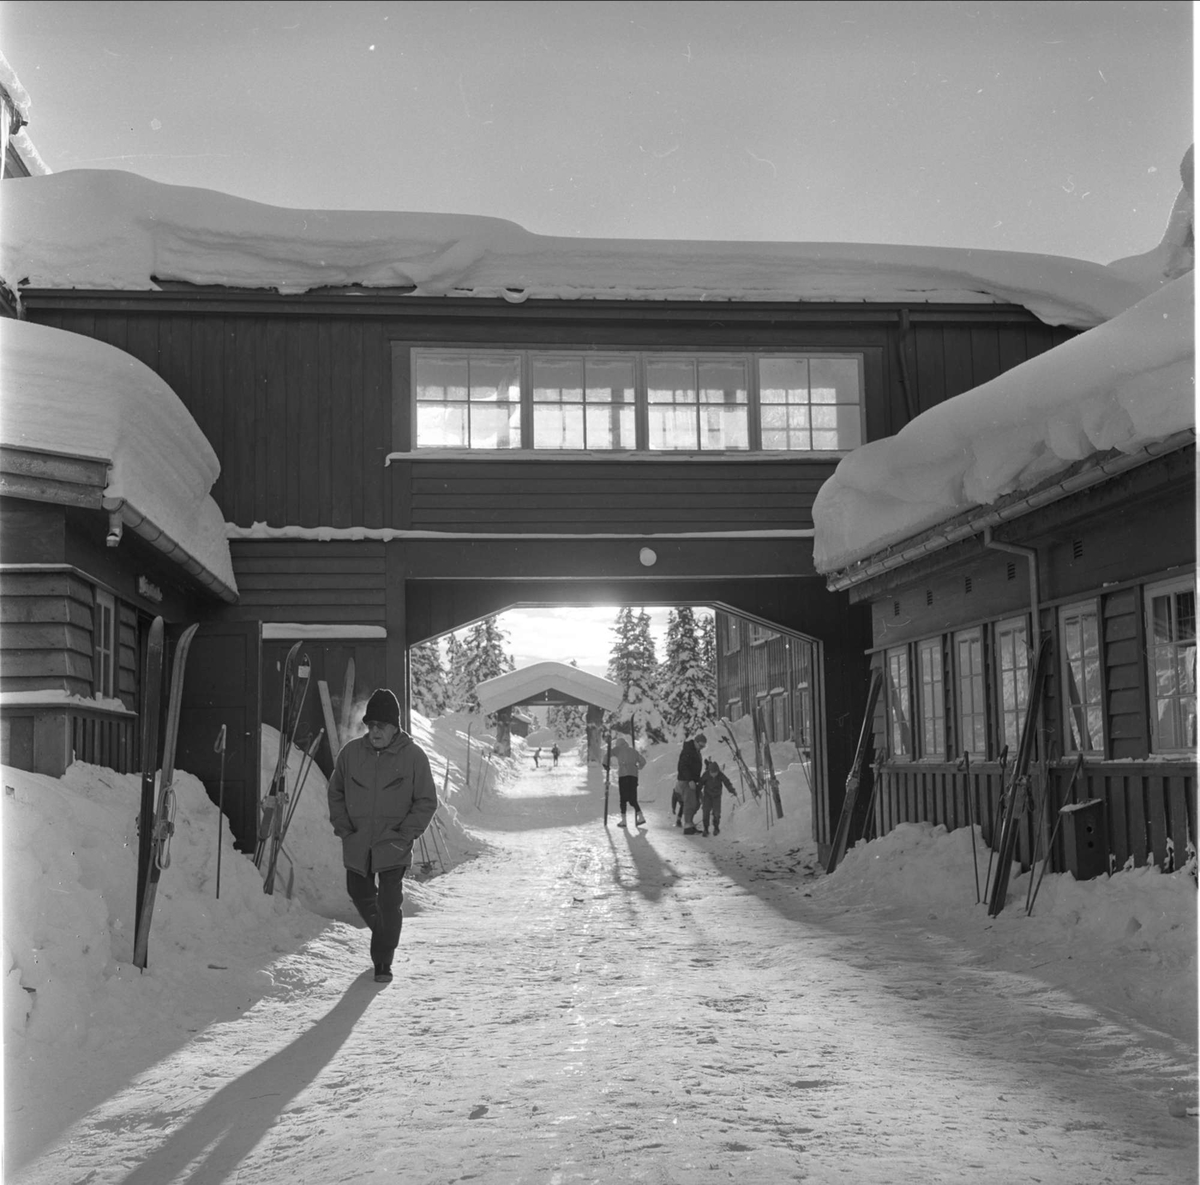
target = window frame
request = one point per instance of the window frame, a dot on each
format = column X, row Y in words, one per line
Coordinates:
column 1185, row 584
column 104, row 644
column 527, row 448
column 895, row 752
column 999, row 630
column 979, row 712
column 931, row 645
column 1085, row 608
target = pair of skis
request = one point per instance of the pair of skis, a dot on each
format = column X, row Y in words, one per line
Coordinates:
column 156, row 822
column 743, row 768
column 275, row 814
column 763, row 745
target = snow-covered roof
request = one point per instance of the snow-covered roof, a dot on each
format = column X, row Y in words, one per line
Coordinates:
column 527, row 683
column 106, row 229
column 1123, row 385
column 71, row 395
column 18, row 97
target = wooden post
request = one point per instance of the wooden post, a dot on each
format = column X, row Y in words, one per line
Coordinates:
column 396, row 660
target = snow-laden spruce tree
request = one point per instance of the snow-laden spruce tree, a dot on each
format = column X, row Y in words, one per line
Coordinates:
column 687, row 685
column 632, row 666
column 428, row 691
column 457, row 688
column 484, row 657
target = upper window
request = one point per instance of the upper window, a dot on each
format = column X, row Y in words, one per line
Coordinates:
column 104, row 644
column 1171, row 652
column 899, row 703
column 972, row 706
column 648, row 401
column 933, row 698
column 1082, row 695
column 1012, row 670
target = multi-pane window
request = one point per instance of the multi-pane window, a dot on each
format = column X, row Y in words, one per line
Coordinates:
column 104, row 644
column 1171, row 652
column 733, row 634
column 469, row 399
column 1012, row 673
column 972, row 705
column 1082, row 695
column 933, row 698
column 809, row 403
column 636, row 400
column 583, row 401
column 697, row 404
column 899, row 703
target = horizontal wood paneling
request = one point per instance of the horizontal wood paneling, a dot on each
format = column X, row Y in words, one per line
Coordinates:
column 46, row 621
column 303, row 581
column 604, row 496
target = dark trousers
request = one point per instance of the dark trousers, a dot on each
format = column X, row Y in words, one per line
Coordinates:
column 627, row 789
column 711, row 810
column 380, row 908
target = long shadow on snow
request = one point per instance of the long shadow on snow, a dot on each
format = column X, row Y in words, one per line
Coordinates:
column 515, row 813
column 233, row 1121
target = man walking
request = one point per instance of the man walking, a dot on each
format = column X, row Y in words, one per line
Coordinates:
column 381, row 797
column 688, row 772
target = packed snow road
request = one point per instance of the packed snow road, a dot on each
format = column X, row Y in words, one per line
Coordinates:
column 592, row 1005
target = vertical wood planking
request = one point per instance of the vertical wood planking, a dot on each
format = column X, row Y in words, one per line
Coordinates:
column 1112, row 790
column 296, row 390
column 377, row 422
column 1156, row 812
column 276, row 427
column 324, row 443
column 930, row 376
column 357, row 404
column 985, row 353
column 308, row 459
column 341, row 458
column 1181, row 824
column 956, row 342
column 259, row 415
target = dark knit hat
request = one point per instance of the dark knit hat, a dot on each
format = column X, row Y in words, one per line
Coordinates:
column 382, row 708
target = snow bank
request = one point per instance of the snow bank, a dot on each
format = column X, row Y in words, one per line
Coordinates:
column 110, row 229
column 1125, row 942
column 69, row 394
column 1122, row 385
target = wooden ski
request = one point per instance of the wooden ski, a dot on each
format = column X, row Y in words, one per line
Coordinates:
column 866, row 741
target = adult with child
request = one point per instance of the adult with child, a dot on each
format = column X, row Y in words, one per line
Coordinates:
column 688, row 772
column 711, row 782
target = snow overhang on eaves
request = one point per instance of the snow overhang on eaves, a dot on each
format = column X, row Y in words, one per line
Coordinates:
column 1085, row 474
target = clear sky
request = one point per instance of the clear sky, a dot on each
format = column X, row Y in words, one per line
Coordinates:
column 1053, row 127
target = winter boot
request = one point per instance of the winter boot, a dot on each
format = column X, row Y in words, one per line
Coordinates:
column 622, row 822
column 716, row 829
column 689, row 831
column 383, row 973
column 640, row 819
column 678, row 820
column 705, row 833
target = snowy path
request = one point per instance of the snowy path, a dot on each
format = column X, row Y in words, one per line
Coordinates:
column 582, row 1005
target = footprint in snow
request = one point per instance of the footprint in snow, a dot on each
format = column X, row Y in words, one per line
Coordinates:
column 478, row 1112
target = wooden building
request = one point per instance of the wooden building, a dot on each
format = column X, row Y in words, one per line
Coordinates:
column 1098, row 561
column 414, row 458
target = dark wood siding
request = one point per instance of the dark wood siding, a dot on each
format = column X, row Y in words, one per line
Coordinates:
column 303, row 399
column 1123, row 642
column 305, row 581
column 608, row 495
column 46, row 633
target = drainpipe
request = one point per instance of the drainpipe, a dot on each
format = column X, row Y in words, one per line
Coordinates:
column 1030, row 554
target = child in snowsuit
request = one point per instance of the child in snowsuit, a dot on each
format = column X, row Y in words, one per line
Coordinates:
column 628, row 761
column 711, row 782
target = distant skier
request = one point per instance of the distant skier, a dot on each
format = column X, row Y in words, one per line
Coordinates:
column 554, row 752
column 688, row 771
column 381, row 797
column 628, row 761
column 537, row 758
column 711, row 782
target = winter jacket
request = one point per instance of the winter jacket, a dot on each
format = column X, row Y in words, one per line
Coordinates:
column 627, row 760
column 380, row 800
column 690, row 768
column 712, row 780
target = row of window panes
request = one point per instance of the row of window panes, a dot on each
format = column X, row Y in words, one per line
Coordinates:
column 1171, row 656
column 476, row 399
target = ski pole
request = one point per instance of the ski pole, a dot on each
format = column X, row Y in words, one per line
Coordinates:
column 987, row 880
column 1070, row 798
column 965, row 766
column 219, row 747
